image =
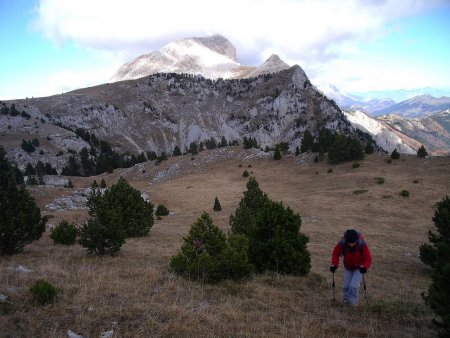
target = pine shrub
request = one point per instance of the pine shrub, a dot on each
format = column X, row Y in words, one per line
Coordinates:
column 217, row 206
column 275, row 241
column 422, row 152
column 44, row 292
column 161, row 210
column 404, row 193
column 249, row 205
column 103, row 233
column 20, row 218
column 356, row 165
column 369, row 148
column 245, row 173
column 277, row 154
column 208, row 256
column 135, row 214
column 64, row 233
column 395, row 155
column 437, row 255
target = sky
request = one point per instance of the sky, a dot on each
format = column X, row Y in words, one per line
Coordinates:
column 359, row 46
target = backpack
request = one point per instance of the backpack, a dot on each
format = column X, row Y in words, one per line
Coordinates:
column 360, row 244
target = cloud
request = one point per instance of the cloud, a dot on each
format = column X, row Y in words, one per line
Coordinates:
column 306, row 32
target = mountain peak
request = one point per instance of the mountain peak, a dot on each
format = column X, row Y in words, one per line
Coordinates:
column 218, row 44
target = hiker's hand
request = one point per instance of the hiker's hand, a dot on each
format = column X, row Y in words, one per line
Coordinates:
column 332, row 268
column 363, row 270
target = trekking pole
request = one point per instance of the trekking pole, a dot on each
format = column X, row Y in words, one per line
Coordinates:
column 334, row 290
column 365, row 290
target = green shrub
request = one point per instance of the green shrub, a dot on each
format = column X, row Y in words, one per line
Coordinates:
column 404, row 193
column 64, row 233
column 277, row 154
column 437, row 255
column 208, row 256
column 416, row 181
column 217, row 206
column 161, row 210
column 389, row 160
column 135, row 214
column 395, row 155
column 345, row 148
column 330, row 170
column 44, row 292
column 356, row 165
column 245, row 173
column 275, row 241
column 369, row 148
column 360, row 191
column 249, row 205
column 380, row 180
column 422, row 152
column 20, row 218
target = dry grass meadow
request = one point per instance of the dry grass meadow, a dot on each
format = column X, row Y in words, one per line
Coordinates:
column 134, row 294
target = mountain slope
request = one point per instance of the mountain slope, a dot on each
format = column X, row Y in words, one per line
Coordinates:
column 432, row 131
column 159, row 112
column 384, row 135
column 418, row 106
column 212, row 57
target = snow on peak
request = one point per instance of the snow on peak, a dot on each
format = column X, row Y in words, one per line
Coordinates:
column 211, row 57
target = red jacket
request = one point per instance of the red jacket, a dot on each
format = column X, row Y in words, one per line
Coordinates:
column 353, row 257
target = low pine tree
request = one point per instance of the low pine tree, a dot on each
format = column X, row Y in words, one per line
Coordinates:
column 437, row 255
column 176, row 151
column 217, row 206
column 422, row 152
column 249, row 205
column 395, row 155
column 64, row 233
column 20, row 218
column 103, row 183
column 103, row 233
column 208, row 256
column 276, row 243
column 136, row 215
column 277, row 154
column 307, row 141
column 369, row 148
column 161, row 210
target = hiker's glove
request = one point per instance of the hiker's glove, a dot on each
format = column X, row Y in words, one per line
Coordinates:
column 333, row 268
column 362, row 270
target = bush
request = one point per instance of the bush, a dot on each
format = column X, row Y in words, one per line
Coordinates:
column 380, row 180
column 217, row 206
column 135, row 214
column 404, row 193
column 161, row 210
column 277, row 154
column 208, row 256
column 356, row 165
column 360, row 191
column 249, row 205
column 389, row 160
column 245, row 173
column 44, row 292
column 275, row 241
column 369, row 149
column 437, row 255
column 20, row 218
column 64, row 233
column 345, row 148
column 395, row 155
column 330, row 170
column 103, row 233
column 422, row 152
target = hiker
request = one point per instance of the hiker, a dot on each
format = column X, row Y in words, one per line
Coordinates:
column 357, row 260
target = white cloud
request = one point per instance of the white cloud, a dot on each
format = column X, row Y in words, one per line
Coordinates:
column 306, row 32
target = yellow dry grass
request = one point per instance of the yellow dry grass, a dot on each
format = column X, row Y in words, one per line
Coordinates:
column 135, row 295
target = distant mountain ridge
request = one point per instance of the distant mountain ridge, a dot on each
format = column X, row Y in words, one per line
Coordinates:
column 212, row 57
column 433, row 131
column 418, row 106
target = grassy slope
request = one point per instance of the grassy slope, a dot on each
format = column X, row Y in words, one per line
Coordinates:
column 135, row 295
